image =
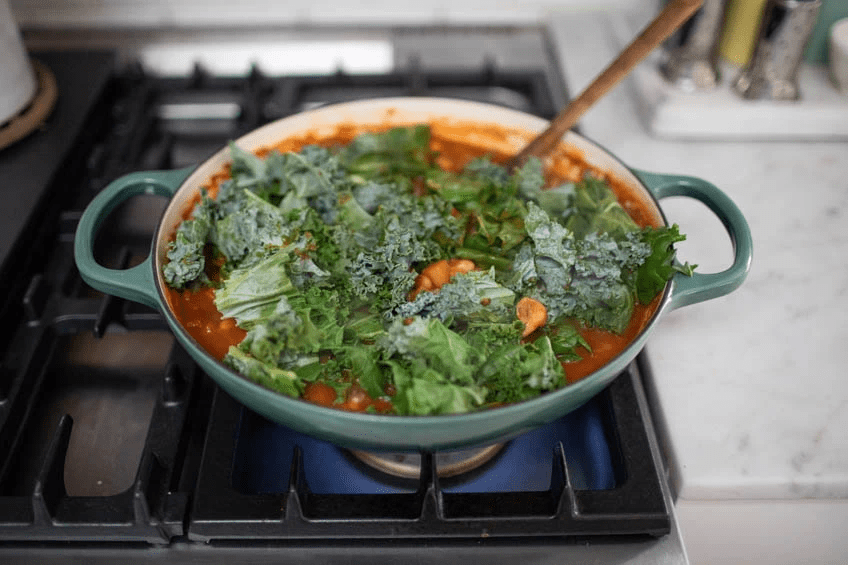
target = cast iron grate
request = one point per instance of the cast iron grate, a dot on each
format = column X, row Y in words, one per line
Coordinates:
column 635, row 506
column 47, row 493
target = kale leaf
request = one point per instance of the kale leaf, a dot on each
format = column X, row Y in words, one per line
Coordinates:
column 251, row 231
column 474, row 296
column 597, row 210
column 432, row 367
column 659, row 266
column 396, row 155
column 251, row 293
column 582, row 278
column 186, row 258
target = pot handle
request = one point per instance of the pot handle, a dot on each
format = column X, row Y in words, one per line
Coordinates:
column 700, row 287
column 136, row 283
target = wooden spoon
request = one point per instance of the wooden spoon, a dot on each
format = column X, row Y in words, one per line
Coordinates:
column 673, row 15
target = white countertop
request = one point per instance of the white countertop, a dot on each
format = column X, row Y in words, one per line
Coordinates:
column 752, row 385
column 751, row 388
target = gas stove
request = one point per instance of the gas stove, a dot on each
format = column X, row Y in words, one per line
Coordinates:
column 115, row 445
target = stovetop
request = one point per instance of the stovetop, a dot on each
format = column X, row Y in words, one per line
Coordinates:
column 114, row 444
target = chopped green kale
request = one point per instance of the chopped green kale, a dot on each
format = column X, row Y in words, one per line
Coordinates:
column 186, row 258
column 471, row 297
column 322, row 248
column 659, row 266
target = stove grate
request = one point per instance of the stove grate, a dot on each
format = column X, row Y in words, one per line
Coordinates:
column 634, row 506
column 177, row 486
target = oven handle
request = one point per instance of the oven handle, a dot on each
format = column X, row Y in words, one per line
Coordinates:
column 699, row 287
column 136, row 283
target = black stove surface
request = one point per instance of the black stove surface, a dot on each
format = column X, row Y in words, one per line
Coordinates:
column 110, row 433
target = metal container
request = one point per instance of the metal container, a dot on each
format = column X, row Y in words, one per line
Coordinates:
column 692, row 52
column 784, row 31
column 17, row 79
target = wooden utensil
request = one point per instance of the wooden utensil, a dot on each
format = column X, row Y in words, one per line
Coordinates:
column 672, row 16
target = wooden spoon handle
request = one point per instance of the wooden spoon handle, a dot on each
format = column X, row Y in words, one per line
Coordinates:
column 673, row 15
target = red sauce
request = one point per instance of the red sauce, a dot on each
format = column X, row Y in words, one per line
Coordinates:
column 198, row 314
column 606, row 345
column 196, row 310
column 355, row 400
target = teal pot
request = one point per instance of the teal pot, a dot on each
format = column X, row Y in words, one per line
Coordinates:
column 144, row 283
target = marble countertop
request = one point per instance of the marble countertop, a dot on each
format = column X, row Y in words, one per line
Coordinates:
column 751, row 388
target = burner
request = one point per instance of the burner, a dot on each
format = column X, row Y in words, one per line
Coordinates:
column 448, row 463
column 36, row 112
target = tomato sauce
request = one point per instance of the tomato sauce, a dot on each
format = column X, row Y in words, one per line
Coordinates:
column 197, row 312
column 606, row 345
column 456, row 144
column 356, row 399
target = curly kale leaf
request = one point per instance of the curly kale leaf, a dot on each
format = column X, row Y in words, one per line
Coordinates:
column 468, row 297
column 585, row 278
column 267, row 375
column 250, row 294
column 558, row 201
column 529, row 179
column 554, row 253
column 516, row 371
column 425, row 215
column 397, row 155
column 277, row 341
column 454, row 188
column 597, row 210
column 312, row 177
column 251, row 231
column 186, row 259
column 602, row 297
column 659, row 266
column 432, row 394
column 484, row 168
column 249, row 170
column 437, row 371
column 430, row 342
column 495, row 209
column 431, row 367
column 291, row 332
column 383, row 270
column 566, row 341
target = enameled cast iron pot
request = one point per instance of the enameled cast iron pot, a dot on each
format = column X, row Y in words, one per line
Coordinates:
column 144, row 282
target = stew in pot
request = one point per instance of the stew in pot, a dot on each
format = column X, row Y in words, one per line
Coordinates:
column 405, row 272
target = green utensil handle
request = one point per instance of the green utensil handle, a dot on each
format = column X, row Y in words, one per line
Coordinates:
column 700, row 287
column 136, row 283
